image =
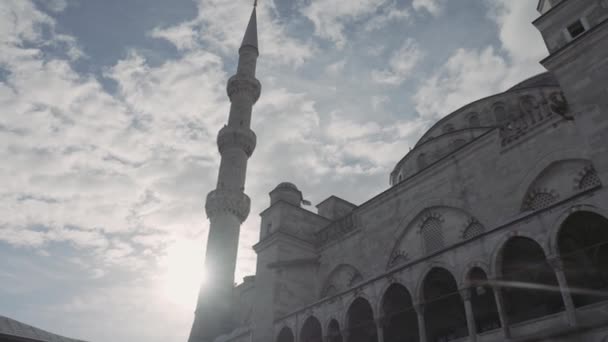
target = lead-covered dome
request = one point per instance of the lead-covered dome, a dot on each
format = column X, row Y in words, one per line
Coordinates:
column 468, row 123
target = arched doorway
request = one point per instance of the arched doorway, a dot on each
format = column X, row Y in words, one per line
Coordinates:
column 444, row 312
column 583, row 247
column 361, row 325
column 530, row 287
column 285, row 335
column 311, row 330
column 483, row 301
column 400, row 319
column 333, row 332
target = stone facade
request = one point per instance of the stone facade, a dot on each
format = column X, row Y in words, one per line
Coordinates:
column 494, row 228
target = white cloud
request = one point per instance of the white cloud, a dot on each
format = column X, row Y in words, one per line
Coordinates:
column 434, row 7
column 471, row 74
column 467, row 76
column 220, row 26
column 400, row 65
column 389, row 13
column 330, row 17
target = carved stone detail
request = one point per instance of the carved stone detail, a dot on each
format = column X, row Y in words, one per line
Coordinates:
column 222, row 201
column 558, row 103
column 336, row 230
column 251, row 86
column 243, row 138
column 398, row 257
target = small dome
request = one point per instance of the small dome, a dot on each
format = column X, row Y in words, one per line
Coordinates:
column 287, row 192
column 287, row 185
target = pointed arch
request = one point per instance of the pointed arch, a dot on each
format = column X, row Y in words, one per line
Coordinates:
column 483, row 300
column 444, row 312
column 340, row 279
column 285, row 335
column 360, row 322
column 334, row 334
column 311, row 330
column 431, row 229
column 583, row 247
column 400, row 321
column 529, row 285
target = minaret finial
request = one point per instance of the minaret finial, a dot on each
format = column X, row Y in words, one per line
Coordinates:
column 251, row 35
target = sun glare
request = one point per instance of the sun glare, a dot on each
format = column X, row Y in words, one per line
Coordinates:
column 183, row 272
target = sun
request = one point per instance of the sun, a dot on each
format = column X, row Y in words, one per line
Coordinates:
column 182, row 272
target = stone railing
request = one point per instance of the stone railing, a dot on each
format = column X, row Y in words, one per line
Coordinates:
column 335, row 230
column 533, row 112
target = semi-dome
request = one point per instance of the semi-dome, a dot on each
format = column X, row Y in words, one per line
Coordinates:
column 475, row 119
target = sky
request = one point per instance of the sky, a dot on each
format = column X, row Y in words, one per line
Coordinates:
column 109, row 111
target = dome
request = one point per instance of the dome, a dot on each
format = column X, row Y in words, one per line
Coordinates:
column 473, row 120
column 287, row 185
column 546, row 79
column 287, row 192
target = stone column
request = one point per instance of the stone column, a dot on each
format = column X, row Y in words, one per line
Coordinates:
column 345, row 334
column 558, row 268
column 421, row 323
column 465, row 293
column 380, row 329
column 500, row 306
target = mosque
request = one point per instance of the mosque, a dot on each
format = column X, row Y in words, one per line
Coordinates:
column 494, row 227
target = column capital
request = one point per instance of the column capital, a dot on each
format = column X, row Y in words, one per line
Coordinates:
column 465, row 293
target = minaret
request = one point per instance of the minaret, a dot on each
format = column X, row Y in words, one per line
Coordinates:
column 227, row 206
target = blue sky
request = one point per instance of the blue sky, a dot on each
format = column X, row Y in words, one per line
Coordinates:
column 109, row 112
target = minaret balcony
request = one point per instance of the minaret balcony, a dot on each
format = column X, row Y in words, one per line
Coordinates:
column 223, row 201
column 249, row 85
column 239, row 137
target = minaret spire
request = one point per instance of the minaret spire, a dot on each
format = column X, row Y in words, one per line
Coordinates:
column 228, row 206
column 251, row 34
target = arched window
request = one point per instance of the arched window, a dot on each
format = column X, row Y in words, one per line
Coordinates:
column 422, row 162
column 583, row 247
column 361, row 325
column 311, row 331
column 444, row 313
column 500, row 114
column 285, row 335
column 333, row 332
column 483, row 301
column 400, row 319
column 432, row 235
column 474, row 120
column 474, row 229
column 529, row 284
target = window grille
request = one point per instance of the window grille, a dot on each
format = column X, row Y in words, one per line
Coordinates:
column 589, row 180
column 541, row 200
column 432, row 235
column 473, row 230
